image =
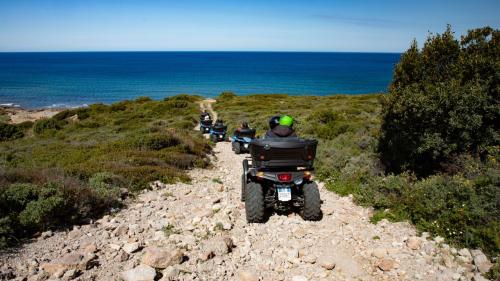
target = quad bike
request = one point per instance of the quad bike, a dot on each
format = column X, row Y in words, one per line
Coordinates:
column 279, row 176
column 241, row 140
column 205, row 126
column 218, row 132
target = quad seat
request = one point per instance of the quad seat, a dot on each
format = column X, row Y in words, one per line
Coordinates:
column 245, row 133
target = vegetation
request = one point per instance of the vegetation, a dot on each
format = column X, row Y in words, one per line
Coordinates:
column 427, row 152
column 444, row 100
column 75, row 165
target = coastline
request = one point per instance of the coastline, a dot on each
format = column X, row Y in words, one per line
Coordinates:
column 18, row 115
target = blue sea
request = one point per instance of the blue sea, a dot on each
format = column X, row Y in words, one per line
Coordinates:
column 36, row 80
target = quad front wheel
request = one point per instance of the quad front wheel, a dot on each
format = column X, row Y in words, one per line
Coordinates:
column 312, row 202
column 237, row 147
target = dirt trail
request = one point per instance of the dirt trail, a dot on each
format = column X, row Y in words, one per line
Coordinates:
column 198, row 231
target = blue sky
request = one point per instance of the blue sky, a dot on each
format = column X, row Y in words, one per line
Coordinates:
column 309, row 25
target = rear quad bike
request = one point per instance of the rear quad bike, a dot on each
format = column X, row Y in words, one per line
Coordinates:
column 205, row 126
column 278, row 176
column 241, row 140
column 218, row 133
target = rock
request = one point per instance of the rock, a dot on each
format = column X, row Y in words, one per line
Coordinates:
column 379, row 253
column 122, row 256
column 386, row 264
column 114, row 247
column 465, row 255
column 481, row 261
column 329, row 210
column 247, row 276
column 41, row 276
column 162, row 258
column 227, row 225
column 170, row 274
column 90, row 249
column 299, row 278
column 219, row 245
column 328, row 265
column 70, row 274
column 75, row 261
column 120, row 230
column 140, row 273
column 206, row 255
column 130, row 248
column 413, row 243
column 309, row 259
column 439, row 239
column 46, row 234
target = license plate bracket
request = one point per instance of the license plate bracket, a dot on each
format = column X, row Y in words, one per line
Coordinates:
column 284, row 193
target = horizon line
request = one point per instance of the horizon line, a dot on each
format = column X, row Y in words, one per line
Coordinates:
column 200, row 51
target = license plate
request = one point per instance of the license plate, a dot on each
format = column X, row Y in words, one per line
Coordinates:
column 245, row 145
column 284, row 193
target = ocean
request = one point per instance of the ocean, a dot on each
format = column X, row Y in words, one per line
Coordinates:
column 37, row 80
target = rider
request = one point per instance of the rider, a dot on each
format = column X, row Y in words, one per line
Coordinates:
column 283, row 130
column 243, row 126
column 205, row 115
column 274, row 121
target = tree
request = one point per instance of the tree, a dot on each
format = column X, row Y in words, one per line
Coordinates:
column 443, row 101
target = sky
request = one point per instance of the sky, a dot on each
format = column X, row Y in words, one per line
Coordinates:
column 234, row 25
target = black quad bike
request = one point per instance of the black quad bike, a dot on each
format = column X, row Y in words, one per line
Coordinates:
column 241, row 140
column 218, row 132
column 205, row 126
column 279, row 176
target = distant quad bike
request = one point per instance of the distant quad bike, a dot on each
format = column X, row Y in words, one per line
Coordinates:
column 279, row 177
column 241, row 140
column 205, row 126
column 218, row 132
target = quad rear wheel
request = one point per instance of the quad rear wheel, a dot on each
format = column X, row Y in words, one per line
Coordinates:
column 254, row 203
column 312, row 202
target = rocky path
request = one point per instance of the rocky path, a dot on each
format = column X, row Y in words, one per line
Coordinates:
column 198, row 231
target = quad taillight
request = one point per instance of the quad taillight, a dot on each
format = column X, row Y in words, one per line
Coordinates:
column 285, row 177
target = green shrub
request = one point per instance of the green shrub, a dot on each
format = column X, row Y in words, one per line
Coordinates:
column 106, row 185
column 68, row 171
column 43, row 125
column 226, row 95
column 10, row 132
column 444, row 100
column 464, row 210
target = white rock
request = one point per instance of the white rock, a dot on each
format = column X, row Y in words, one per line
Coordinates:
column 130, row 248
column 299, row 278
column 140, row 273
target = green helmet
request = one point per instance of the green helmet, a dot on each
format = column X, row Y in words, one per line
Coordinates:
column 286, row 120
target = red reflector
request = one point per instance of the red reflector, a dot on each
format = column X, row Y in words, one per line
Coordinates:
column 261, row 157
column 309, row 157
column 285, row 177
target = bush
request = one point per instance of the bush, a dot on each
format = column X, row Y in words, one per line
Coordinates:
column 10, row 132
column 464, row 210
column 43, row 125
column 444, row 100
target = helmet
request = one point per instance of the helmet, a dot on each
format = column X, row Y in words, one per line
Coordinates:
column 244, row 125
column 274, row 121
column 286, row 121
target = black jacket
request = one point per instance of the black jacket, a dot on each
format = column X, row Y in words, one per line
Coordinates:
column 281, row 132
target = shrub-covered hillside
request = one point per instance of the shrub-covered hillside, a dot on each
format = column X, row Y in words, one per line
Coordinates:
column 77, row 164
column 427, row 152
